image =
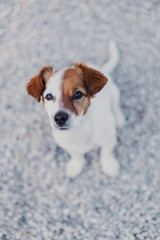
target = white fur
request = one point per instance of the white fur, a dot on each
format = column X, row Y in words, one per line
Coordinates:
column 97, row 128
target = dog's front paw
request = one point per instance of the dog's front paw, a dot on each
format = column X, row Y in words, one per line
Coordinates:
column 74, row 167
column 110, row 166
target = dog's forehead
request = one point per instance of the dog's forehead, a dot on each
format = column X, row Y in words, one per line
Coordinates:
column 55, row 82
column 71, row 82
column 65, row 80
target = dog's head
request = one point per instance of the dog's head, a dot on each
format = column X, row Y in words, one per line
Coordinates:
column 66, row 94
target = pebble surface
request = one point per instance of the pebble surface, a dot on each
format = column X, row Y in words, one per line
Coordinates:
column 37, row 201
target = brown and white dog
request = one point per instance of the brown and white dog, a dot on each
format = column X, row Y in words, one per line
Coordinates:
column 83, row 110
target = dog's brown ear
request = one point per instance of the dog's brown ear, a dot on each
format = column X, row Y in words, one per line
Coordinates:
column 93, row 79
column 36, row 85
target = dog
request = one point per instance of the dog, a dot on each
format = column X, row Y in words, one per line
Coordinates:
column 84, row 110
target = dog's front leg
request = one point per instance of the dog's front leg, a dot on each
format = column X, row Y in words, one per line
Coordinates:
column 75, row 164
column 108, row 162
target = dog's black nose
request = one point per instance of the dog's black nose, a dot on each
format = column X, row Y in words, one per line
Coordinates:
column 61, row 118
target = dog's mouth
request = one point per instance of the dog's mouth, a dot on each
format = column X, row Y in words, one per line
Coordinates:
column 62, row 128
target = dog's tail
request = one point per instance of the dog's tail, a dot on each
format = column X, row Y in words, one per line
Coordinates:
column 114, row 58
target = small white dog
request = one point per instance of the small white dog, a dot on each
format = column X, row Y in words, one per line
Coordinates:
column 84, row 111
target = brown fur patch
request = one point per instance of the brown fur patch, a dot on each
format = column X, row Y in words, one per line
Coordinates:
column 73, row 82
column 37, row 84
column 93, row 79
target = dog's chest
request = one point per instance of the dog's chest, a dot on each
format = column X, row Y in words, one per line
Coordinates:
column 80, row 139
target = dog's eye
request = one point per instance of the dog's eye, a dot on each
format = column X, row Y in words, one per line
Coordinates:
column 49, row 97
column 78, row 95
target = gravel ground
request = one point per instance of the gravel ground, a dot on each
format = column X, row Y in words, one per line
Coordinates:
column 37, row 201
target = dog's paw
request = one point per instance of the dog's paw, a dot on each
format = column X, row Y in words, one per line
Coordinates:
column 74, row 167
column 110, row 166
